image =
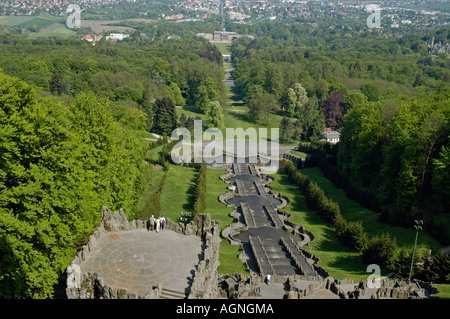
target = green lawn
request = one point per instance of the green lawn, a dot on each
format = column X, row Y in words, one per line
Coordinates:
column 351, row 210
column 298, row 153
column 178, row 193
column 337, row 260
column 56, row 29
column 444, row 291
column 228, row 254
column 224, row 48
column 235, row 117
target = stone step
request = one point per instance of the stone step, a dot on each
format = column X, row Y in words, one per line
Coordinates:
column 171, row 294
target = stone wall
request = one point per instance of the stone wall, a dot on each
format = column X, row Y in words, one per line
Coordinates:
column 394, row 289
column 204, row 285
column 91, row 286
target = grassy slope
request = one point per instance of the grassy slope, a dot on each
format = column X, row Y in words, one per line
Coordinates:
column 228, row 258
column 351, row 210
column 339, row 261
column 178, row 193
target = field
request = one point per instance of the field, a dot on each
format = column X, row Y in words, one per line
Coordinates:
column 26, row 21
column 56, row 29
column 99, row 26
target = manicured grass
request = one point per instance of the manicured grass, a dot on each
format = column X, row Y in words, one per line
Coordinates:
column 228, row 254
column 444, row 291
column 298, row 153
column 224, row 48
column 337, row 260
column 214, row 188
column 229, row 259
column 156, row 175
column 178, row 193
column 351, row 210
column 235, row 117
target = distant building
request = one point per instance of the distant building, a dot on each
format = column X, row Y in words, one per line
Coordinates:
column 222, row 36
column 117, row 36
column 92, row 38
column 330, row 136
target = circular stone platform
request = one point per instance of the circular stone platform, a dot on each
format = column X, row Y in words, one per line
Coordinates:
column 136, row 260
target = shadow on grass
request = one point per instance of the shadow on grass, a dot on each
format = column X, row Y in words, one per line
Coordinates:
column 334, row 257
column 189, row 206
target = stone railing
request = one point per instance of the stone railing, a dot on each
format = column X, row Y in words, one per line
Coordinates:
column 91, row 286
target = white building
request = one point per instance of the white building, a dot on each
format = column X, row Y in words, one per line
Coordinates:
column 331, row 137
column 117, row 36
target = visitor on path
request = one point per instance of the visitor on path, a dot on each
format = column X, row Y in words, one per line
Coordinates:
column 158, row 225
column 152, row 223
column 163, row 223
column 268, row 280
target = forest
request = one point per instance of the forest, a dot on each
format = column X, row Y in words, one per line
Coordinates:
column 73, row 122
column 74, row 119
column 387, row 96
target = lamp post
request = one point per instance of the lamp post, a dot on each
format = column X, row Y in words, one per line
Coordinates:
column 417, row 227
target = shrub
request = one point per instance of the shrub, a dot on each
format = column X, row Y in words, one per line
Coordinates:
column 380, row 250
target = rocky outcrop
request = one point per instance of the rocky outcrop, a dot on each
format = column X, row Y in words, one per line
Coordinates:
column 204, row 285
column 92, row 286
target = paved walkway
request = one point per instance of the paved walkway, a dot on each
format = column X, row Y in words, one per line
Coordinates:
column 136, row 260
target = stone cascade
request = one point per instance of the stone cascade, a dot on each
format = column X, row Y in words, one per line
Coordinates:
column 257, row 210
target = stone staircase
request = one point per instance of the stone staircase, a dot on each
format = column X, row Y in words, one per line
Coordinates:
column 171, row 294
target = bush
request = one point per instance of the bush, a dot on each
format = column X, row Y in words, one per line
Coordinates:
column 351, row 234
column 380, row 250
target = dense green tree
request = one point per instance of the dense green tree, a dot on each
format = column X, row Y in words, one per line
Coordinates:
column 165, row 116
column 206, row 93
column 286, row 130
column 297, row 100
column 380, row 250
column 352, row 98
column 215, row 115
column 59, row 165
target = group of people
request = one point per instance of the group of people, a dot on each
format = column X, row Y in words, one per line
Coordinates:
column 157, row 224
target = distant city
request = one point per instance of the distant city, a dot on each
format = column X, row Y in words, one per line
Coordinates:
column 416, row 13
